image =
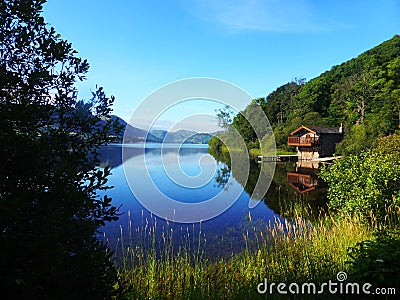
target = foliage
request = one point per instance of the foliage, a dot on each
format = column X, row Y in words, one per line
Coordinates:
column 389, row 144
column 50, row 209
column 363, row 137
column 215, row 143
column 355, row 141
column 249, row 126
column 366, row 183
column 377, row 260
column 277, row 105
column 225, row 116
column 246, row 131
column 314, row 96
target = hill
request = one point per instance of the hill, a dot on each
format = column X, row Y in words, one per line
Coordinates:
column 137, row 135
column 185, row 136
column 133, row 134
column 362, row 93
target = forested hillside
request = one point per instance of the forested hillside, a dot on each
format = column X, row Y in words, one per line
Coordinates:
column 362, row 93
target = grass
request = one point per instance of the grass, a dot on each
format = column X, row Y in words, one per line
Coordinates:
column 153, row 267
column 283, row 152
column 257, row 152
column 277, row 152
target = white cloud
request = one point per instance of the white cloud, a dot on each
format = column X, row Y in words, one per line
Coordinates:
column 264, row 15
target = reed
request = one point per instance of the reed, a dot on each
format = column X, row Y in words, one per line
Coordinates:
column 154, row 266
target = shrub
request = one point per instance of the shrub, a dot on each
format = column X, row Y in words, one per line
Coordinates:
column 366, row 184
column 377, row 260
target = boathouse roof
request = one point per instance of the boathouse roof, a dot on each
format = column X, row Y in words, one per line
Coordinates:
column 318, row 129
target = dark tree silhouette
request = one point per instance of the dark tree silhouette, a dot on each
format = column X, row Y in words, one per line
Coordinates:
column 49, row 206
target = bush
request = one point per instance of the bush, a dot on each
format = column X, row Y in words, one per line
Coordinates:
column 377, row 261
column 366, row 184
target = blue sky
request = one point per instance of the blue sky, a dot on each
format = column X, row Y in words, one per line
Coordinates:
column 135, row 47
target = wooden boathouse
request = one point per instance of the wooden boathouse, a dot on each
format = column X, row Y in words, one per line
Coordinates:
column 315, row 142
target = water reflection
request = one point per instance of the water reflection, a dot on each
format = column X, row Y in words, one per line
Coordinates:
column 224, row 233
column 295, row 190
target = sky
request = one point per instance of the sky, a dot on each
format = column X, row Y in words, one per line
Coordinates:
column 135, row 47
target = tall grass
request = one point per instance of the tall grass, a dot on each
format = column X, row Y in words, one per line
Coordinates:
column 154, row 266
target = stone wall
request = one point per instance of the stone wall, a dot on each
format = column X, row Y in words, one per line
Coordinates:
column 307, row 153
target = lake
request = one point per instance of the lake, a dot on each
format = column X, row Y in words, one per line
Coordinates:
column 189, row 174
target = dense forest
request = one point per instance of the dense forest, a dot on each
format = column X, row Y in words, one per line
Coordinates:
column 362, row 93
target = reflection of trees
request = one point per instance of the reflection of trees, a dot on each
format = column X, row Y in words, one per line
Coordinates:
column 280, row 197
column 247, row 178
column 223, row 175
column 221, row 156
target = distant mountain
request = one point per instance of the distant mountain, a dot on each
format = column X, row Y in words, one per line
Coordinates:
column 199, row 138
column 159, row 133
column 184, row 136
column 137, row 135
column 134, row 134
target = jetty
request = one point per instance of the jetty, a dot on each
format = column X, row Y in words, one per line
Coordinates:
column 325, row 159
column 277, row 158
column 294, row 158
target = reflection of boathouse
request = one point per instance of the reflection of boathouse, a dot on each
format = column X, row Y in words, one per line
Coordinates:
column 302, row 183
column 305, row 179
column 315, row 142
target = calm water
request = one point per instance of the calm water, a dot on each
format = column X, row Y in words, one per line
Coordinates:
column 174, row 171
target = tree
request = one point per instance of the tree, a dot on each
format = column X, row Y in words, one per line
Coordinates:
column 245, row 129
column 278, row 104
column 358, row 90
column 315, row 95
column 49, row 207
column 355, row 141
column 225, row 116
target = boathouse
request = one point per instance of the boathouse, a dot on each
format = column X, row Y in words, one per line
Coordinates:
column 314, row 142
